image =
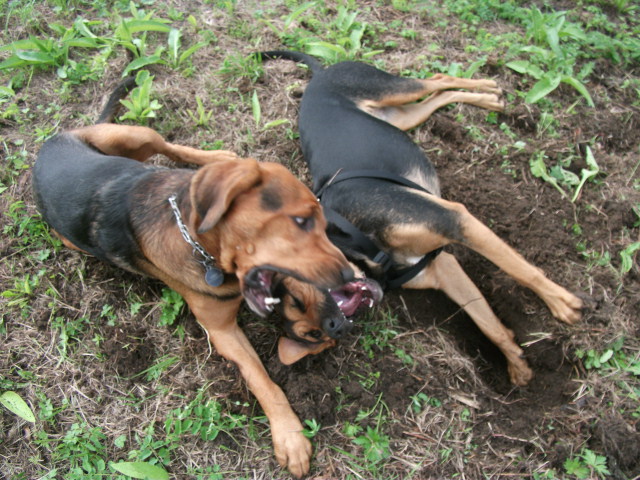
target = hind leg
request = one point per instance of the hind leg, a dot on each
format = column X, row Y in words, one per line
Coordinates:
column 139, row 143
column 395, row 102
column 406, row 117
column 446, row 274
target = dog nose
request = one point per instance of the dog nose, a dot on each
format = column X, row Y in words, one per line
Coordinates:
column 337, row 327
column 347, row 274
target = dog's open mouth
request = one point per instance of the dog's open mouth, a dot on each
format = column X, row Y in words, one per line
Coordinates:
column 356, row 296
column 259, row 285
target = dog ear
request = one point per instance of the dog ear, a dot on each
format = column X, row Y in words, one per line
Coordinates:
column 215, row 186
column 290, row 351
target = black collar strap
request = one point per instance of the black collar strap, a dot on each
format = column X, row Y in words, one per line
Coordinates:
column 393, row 276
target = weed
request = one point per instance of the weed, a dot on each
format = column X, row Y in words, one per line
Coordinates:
column 377, row 334
column 23, row 291
column 613, row 359
column 54, row 52
column 342, row 38
column 154, row 371
column 140, row 22
column 238, row 66
column 171, row 306
column 81, row 448
column 28, row 229
column 587, row 464
column 421, row 400
column 201, row 117
column 205, row 418
column 370, row 438
column 627, row 255
column 69, row 332
column 15, row 163
column 311, row 429
column 140, row 106
column 15, row 404
column 141, row 470
column 560, row 178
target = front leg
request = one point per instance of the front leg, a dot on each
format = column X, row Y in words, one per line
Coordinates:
column 564, row 305
column 292, row 449
column 446, row 274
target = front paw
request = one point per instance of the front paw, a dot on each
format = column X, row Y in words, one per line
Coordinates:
column 292, row 450
column 567, row 307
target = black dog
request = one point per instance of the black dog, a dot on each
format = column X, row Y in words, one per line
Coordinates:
column 381, row 194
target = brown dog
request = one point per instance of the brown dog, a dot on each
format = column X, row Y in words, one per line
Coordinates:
column 234, row 228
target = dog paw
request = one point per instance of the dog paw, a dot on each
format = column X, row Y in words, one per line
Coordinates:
column 566, row 307
column 519, row 373
column 293, row 451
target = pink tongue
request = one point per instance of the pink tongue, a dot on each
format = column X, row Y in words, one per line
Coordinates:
column 348, row 304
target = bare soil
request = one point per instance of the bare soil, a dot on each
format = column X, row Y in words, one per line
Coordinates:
column 483, row 427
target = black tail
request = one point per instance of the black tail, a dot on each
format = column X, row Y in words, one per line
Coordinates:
column 113, row 104
column 299, row 57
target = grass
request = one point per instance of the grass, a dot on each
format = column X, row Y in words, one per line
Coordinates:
column 121, row 383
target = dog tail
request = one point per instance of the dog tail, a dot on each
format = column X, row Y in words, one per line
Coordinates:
column 113, row 104
column 299, row 57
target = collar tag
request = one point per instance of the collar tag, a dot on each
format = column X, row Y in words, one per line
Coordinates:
column 213, row 276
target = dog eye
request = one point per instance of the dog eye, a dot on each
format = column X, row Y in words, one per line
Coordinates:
column 296, row 303
column 315, row 334
column 305, row 223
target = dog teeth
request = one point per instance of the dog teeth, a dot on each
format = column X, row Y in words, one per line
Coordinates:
column 340, row 303
column 271, row 301
column 370, row 302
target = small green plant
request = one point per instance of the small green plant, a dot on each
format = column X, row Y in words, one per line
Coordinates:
column 171, row 306
column 178, row 58
column 341, row 38
column 378, row 333
column 548, row 30
column 81, row 448
column 154, row 371
column 238, row 66
column 627, row 256
column 560, row 178
column 69, row 332
column 23, row 292
column 421, row 400
column 143, row 470
column 374, row 443
column 201, row 117
column 175, row 57
column 587, row 464
column 311, row 429
column 53, row 52
column 15, row 404
column 204, row 417
column 140, row 23
column 140, row 106
column 613, row 358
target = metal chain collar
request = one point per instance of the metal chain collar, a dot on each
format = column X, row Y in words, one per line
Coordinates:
column 213, row 275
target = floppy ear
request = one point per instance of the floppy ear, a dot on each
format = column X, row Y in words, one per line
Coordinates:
column 290, row 351
column 215, row 186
